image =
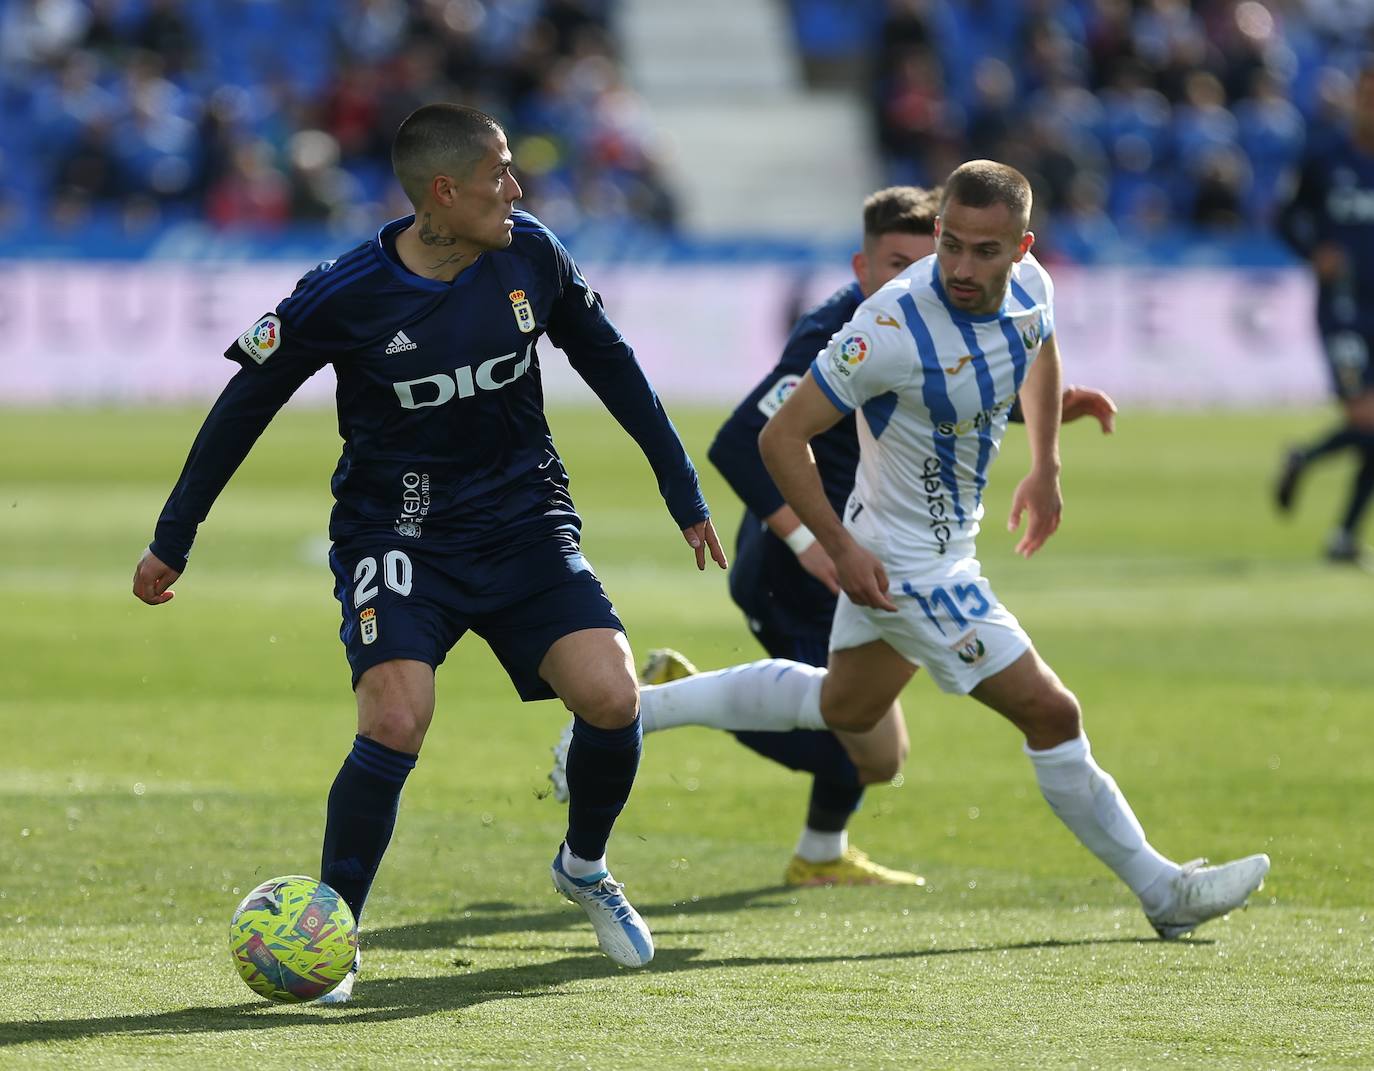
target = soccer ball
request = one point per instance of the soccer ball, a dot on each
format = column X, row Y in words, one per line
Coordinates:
column 293, row 939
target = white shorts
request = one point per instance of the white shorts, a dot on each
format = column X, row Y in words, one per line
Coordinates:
column 949, row 622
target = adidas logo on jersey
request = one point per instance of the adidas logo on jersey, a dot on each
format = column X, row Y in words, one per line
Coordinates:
column 400, row 344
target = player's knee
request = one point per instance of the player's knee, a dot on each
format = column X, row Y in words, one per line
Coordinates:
column 882, row 768
column 1052, row 717
column 850, row 713
column 607, row 705
column 397, row 726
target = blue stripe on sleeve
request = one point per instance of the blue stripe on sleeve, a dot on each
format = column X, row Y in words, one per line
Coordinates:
column 936, row 398
column 312, row 286
column 301, row 312
column 988, row 394
column 826, row 389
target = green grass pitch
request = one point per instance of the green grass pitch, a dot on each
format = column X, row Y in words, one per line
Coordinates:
column 157, row 763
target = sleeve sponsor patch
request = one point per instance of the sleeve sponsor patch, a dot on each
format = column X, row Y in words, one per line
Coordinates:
column 778, row 393
column 847, row 353
column 262, row 339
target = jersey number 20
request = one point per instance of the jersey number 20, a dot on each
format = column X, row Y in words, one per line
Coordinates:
column 396, row 574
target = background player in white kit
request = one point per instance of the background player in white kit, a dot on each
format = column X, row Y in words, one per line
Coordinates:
column 933, row 362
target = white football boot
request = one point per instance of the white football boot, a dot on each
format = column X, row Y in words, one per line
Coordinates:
column 1207, row 892
column 343, row 992
column 620, row 931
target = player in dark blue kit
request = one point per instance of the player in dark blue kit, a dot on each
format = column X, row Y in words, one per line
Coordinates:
column 452, row 510
column 1330, row 221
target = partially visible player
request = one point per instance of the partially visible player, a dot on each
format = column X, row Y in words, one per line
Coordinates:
column 452, row 510
column 933, row 361
column 782, row 578
column 1330, row 222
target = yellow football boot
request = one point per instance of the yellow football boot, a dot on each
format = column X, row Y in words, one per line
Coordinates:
column 663, row 665
column 852, row 868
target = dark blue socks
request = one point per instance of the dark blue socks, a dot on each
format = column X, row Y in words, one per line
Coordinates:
column 835, row 792
column 362, row 815
column 601, row 771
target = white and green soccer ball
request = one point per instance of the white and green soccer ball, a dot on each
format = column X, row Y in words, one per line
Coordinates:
column 293, row 939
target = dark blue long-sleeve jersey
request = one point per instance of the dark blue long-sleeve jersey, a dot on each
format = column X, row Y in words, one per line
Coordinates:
column 440, row 402
column 1334, row 202
column 766, row 581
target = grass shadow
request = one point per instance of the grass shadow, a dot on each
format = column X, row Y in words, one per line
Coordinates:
column 388, row 999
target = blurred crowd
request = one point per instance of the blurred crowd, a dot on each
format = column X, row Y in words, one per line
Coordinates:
column 260, row 114
column 1128, row 115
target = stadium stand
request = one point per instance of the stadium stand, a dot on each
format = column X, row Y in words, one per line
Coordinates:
column 130, row 115
column 1128, row 116
column 1140, row 121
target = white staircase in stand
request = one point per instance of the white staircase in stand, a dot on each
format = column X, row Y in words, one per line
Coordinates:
column 750, row 150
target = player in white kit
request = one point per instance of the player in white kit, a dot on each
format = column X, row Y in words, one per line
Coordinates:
column 933, row 362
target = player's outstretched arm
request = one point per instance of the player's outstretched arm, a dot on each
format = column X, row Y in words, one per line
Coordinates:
column 153, row 579
column 785, row 446
column 1082, row 402
column 1038, row 496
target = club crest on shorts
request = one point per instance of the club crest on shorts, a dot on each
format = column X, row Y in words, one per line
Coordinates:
column 970, row 649
column 368, row 620
column 524, row 311
column 848, row 353
column 262, row 339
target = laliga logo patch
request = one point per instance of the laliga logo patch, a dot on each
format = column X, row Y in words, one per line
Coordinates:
column 368, row 620
column 524, row 312
column 262, row 339
column 778, row 393
column 850, row 352
column 970, row 649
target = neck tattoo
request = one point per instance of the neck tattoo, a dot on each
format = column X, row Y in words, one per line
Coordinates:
column 430, row 236
column 450, row 260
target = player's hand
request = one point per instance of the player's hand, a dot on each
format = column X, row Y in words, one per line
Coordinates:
column 1329, row 262
column 817, row 562
column 1038, row 494
column 153, row 579
column 1085, row 401
column 863, row 578
column 701, row 537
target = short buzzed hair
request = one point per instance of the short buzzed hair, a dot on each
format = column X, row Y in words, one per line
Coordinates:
column 981, row 183
column 439, row 139
column 901, row 210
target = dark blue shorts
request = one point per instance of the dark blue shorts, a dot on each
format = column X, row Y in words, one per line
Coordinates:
column 813, row 648
column 1348, row 360
column 401, row 599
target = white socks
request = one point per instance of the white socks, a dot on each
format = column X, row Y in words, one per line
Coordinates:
column 818, row 847
column 772, row 695
column 1086, row 799
column 577, row 867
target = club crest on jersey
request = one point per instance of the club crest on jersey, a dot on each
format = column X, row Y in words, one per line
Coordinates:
column 850, row 352
column 778, row 393
column 368, row 620
column 1030, row 335
column 524, row 311
column 970, row 649
column 262, row 339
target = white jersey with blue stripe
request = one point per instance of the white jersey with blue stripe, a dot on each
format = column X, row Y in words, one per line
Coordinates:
column 934, row 385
